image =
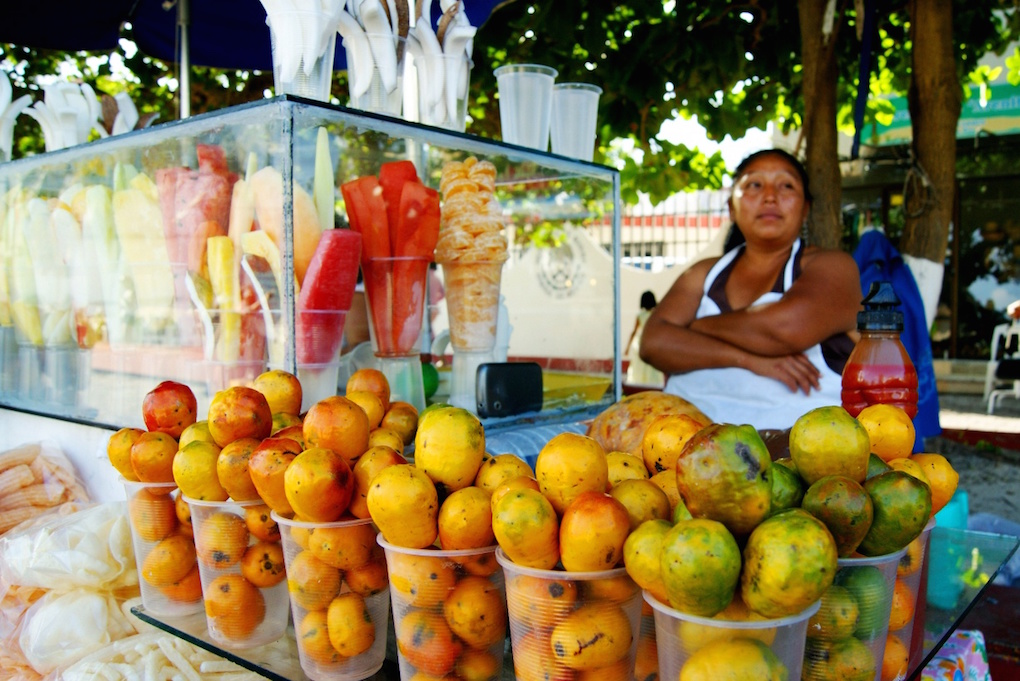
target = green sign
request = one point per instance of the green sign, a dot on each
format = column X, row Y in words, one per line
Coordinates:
column 999, row 115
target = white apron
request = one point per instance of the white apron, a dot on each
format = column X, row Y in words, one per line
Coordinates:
column 739, row 396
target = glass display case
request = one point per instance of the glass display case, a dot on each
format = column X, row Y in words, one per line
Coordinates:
column 178, row 252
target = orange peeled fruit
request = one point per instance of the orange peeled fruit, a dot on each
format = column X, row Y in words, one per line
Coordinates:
column 890, row 431
column 239, row 412
column 152, row 457
column 465, row 520
column 339, row 424
column 232, row 469
column 401, row 417
column 373, row 381
column 370, row 403
column 267, row 466
column 569, row 464
column 942, row 478
column 318, row 485
column 282, row 390
column 118, row 450
column 194, row 469
column 234, row 606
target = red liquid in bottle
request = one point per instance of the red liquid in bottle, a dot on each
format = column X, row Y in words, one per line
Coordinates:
column 864, row 385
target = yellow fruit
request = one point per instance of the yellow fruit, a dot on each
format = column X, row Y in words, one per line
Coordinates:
column 351, row 630
column 643, row 499
column 527, row 529
column 318, row 484
column 476, row 612
column 624, row 466
column 232, row 469
column 312, row 583
column 642, row 552
column 911, row 468
column 465, row 520
column 890, row 431
column 828, row 441
column 401, row 417
column 942, row 479
column 738, row 658
column 665, row 438
column 370, row 380
column 592, row 532
column 595, row 635
column 153, row 515
column 262, row 564
column 403, row 503
column 370, row 403
column 569, row 464
column 282, row 390
column 621, row 427
column 422, row 581
column 152, row 457
column 194, row 469
column 520, row 482
column 894, row 659
column 313, row 639
column 365, row 469
column 118, row 450
column 234, row 606
column 169, row 561
column 449, row 447
column 338, row 424
column 343, row 546
column 495, row 470
column 199, row 430
column 666, row 481
column 694, row 635
column 386, row 437
column 221, row 540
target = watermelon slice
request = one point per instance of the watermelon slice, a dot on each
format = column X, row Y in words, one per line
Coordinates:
column 366, row 212
column 393, row 177
column 417, row 221
column 326, row 296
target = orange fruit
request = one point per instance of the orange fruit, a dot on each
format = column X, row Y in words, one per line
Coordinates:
column 295, row 433
column 268, row 466
column 339, row 424
column 421, row 580
column 368, row 579
column 283, row 420
column 902, row 606
column 942, row 478
column 483, row 564
column 260, row 523
column 118, row 450
column 465, row 520
column 373, row 381
column 370, row 403
column 153, row 516
column 351, row 630
column 343, row 546
column 239, row 412
column 895, row 658
column 643, row 499
column 312, row 583
column 569, row 464
column 169, row 561
column 519, row 482
column 527, row 528
column 665, row 437
column 495, row 470
column 194, row 469
column 262, row 564
column 908, row 465
column 425, row 640
column 183, row 512
column 232, row 469
column 199, row 430
column 624, row 466
column 299, row 534
column 592, row 531
column 318, row 485
column 234, row 606
column 152, row 457
column 477, row 665
column 404, row 503
column 365, row 469
column 476, row 612
column 386, row 437
column 188, row 589
column 221, row 540
column 911, row 560
column 313, row 639
column 534, row 659
column 828, row 441
column 449, row 446
column 282, row 390
column 401, row 417
column 890, row 431
column 540, row 601
column 666, row 481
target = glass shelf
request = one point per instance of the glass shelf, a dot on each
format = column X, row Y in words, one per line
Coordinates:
column 279, row 660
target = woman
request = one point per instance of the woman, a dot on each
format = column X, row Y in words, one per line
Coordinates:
column 638, row 372
column 760, row 335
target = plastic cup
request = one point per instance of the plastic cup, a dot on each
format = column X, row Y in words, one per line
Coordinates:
column 327, row 584
column 299, row 68
column 222, row 375
column 525, row 103
column 472, row 303
column 575, row 112
column 374, row 89
column 681, row 637
column 395, row 291
column 243, row 576
column 442, row 82
column 165, row 555
column 553, row 614
column 449, row 610
column 869, row 584
column 646, row 662
column 911, row 572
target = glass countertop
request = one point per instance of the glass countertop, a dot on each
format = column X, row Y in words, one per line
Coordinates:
column 960, row 564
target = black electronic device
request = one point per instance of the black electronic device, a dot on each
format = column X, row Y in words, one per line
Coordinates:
column 508, row 388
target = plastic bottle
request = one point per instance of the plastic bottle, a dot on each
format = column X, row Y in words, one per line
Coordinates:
column 879, row 369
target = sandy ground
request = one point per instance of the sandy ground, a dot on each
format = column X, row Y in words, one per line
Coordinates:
column 990, row 475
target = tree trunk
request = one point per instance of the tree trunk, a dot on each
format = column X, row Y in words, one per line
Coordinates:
column 935, row 101
column 818, row 55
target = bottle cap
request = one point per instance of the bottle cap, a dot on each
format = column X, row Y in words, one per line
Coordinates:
column 881, row 309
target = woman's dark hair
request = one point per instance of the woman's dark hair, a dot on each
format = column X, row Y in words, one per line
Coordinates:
column 781, row 153
column 647, row 300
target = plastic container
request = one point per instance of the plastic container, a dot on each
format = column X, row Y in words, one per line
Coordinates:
column 682, row 638
column 912, row 571
column 243, row 577
column 564, row 624
column 879, row 370
column 835, row 637
column 326, row 587
column 164, row 551
column 449, row 611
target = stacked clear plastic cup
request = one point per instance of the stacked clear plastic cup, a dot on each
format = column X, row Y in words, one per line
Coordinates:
column 909, row 583
column 243, row 573
column 168, row 575
column 850, row 628
column 564, row 624
column 449, row 612
column 339, row 600
column 685, row 640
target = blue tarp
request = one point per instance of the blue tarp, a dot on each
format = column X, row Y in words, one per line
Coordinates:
column 879, row 260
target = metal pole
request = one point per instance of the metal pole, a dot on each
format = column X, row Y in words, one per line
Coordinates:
column 183, row 22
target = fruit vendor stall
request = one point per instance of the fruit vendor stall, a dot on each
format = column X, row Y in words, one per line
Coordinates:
column 196, row 483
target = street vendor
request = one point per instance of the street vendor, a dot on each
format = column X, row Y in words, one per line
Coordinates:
column 760, row 335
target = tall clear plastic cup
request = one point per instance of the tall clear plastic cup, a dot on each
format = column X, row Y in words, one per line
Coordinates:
column 299, row 66
column 525, row 103
column 575, row 112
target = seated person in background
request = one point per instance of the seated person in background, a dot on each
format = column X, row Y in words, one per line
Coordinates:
column 760, row 335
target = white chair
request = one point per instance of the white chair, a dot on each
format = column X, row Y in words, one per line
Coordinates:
column 1002, row 377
